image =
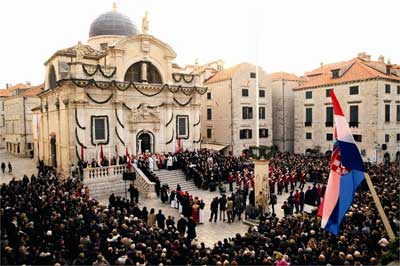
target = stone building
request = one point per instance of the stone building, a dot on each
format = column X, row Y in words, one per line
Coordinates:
column 369, row 93
column 228, row 113
column 4, row 94
column 119, row 91
column 17, row 102
column 282, row 85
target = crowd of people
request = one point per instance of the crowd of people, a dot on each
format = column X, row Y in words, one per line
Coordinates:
column 49, row 221
column 298, row 239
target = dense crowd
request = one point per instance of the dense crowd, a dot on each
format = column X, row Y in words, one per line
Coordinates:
column 48, row 221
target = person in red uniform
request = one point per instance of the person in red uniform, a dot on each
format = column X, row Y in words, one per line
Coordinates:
column 196, row 212
column 287, row 181
column 280, row 185
column 230, row 180
column 238, row 179
column 272, row 182
column 297, row 200
column 292, row 180
column 302, row 180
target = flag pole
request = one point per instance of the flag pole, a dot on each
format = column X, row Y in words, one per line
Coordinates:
column 378, row 204
column 257, row 98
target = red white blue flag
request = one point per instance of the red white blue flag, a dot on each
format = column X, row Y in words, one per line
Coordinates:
column 346, row 173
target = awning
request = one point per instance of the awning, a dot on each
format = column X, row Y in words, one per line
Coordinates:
column 215, row 147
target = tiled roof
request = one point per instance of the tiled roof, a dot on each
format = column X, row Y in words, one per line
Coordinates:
column 224, row 74
column 34, row 91
column 355, row 69
column 285, row 76
column 8, row 92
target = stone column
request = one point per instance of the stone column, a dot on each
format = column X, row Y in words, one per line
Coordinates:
column 139, row 146
column 144, row 72
column 261, row 173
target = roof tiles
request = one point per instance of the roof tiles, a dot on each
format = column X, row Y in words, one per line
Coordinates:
column 355, row 69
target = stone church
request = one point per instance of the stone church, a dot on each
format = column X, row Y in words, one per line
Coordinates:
column 119, row 91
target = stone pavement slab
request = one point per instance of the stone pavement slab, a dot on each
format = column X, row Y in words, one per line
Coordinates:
column 20, row 166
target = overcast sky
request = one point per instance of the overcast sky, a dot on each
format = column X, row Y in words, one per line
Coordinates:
column 292, row 36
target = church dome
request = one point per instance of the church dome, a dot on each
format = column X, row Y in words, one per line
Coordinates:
column 112, row 23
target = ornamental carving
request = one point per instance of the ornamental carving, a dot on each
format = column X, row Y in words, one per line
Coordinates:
column 84, row 50
column 145, row 114
column 145, row 46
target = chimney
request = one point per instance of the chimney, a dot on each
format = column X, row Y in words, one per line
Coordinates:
column 364, row 56
column 361, row 55
column 388, row 61
column 321, row 64
column 381, row 59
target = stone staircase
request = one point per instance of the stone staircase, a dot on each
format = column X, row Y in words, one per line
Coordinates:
column 174, row 177
column 101, row 188
column 102, row 181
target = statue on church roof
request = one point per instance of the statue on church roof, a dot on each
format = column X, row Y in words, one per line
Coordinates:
column 80, row 51
column 145, row 24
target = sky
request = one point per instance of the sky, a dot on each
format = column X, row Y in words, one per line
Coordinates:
column 294, row 36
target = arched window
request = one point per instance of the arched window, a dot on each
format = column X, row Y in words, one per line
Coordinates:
column 134, row 73
column 52, row 78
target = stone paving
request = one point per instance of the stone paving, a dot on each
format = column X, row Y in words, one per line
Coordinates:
column 209, row 232
column 20, row 166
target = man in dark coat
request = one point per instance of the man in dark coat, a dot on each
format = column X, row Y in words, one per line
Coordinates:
column 308, row 197
column 160, row 220
column 131, row 191
column 214, row 209
column 272, row 201
column 3, row 167
column 301, row 202
column 222, row 208
column 181, row 225
column 191, row 233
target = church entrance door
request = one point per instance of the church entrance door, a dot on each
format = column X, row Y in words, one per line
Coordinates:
column 145, row 142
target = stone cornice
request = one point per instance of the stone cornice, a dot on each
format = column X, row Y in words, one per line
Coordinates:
column 346, row 82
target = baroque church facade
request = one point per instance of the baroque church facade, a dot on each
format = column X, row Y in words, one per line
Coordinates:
column 120, row 91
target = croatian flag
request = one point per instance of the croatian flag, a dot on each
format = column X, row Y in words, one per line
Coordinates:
column 346, row 173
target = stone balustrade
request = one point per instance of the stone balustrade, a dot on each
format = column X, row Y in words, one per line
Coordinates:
column 114, row 172
column 100, row 172
column 144, row 185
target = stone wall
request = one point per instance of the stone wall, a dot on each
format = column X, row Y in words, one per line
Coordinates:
column 227, row 103
column 371, row 100
column 16, row 133
column 283, row 113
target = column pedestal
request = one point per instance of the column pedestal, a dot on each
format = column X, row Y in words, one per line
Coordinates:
column 261, row 173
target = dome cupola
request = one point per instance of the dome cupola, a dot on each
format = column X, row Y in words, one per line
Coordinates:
column 112, row 23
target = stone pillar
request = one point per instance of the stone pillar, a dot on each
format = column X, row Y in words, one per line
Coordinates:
column 139, row 147
column 144, row 72
column 261, row 173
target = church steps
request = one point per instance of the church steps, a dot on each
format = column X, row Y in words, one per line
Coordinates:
column 174, row 177
column 101, row 188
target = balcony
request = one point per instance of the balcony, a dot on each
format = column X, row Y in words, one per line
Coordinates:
column 328, row 124
column 307, row 124
column 353, row 124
